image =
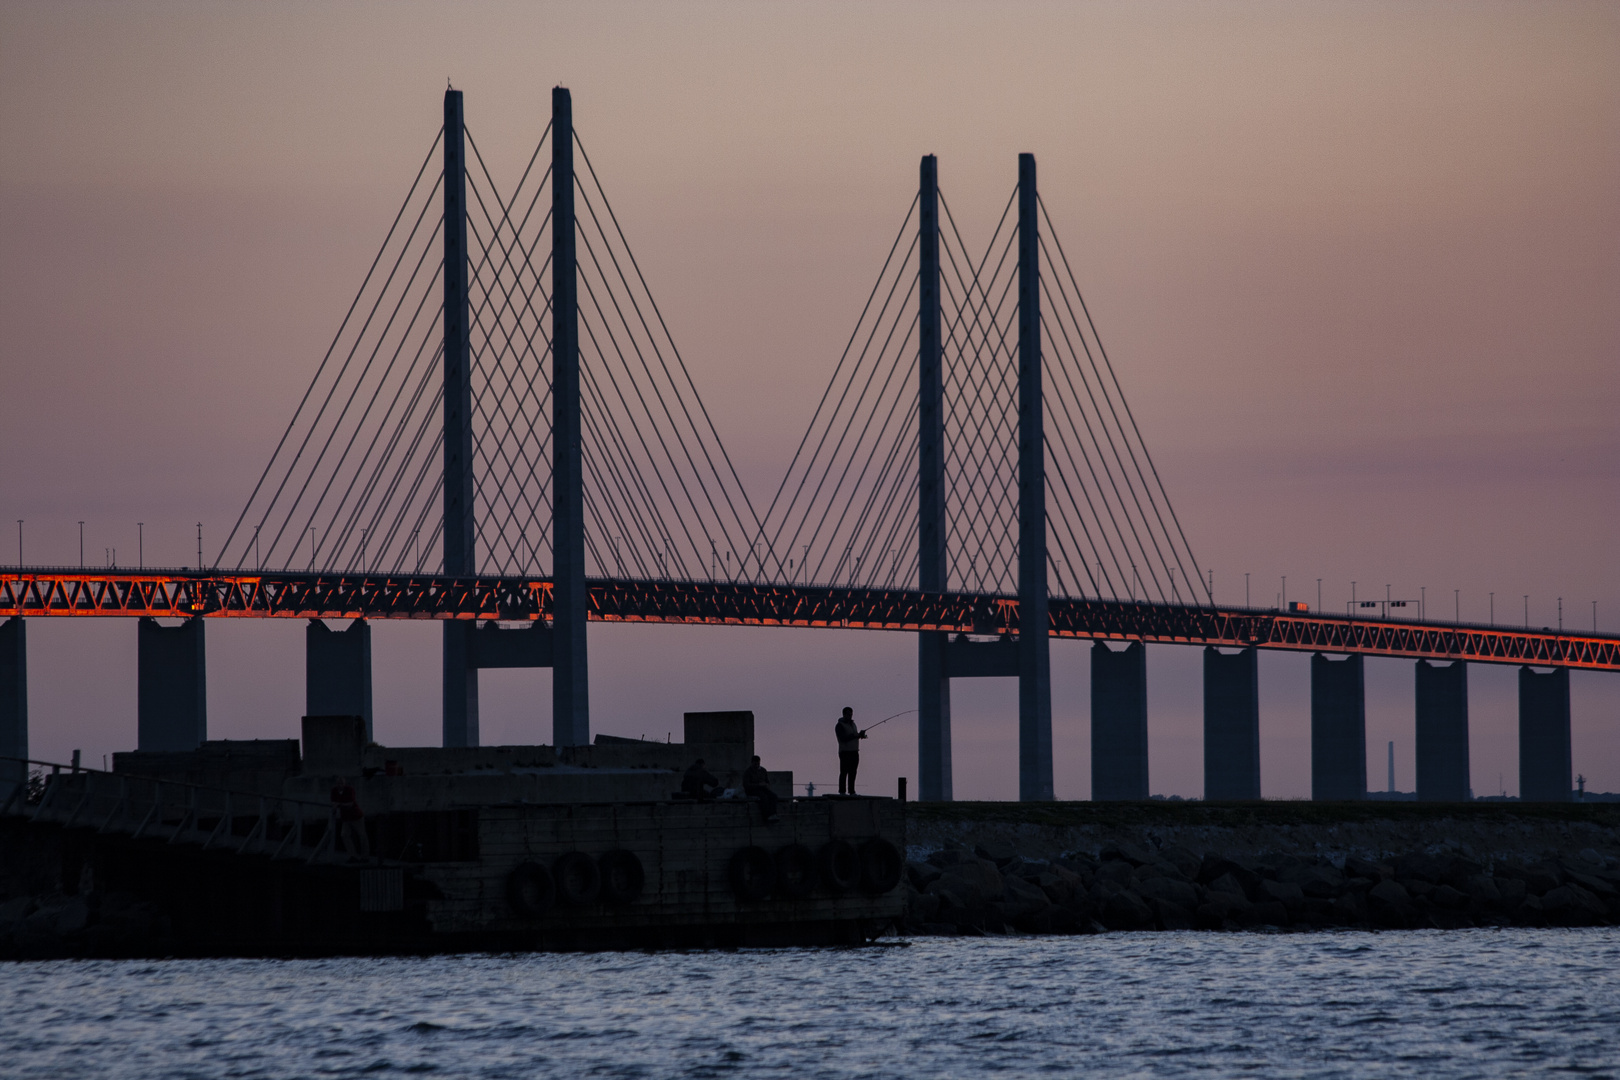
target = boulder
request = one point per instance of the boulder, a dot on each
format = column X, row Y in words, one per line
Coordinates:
column 1388, row 904
column 1448, row 898
column 1285, row 893
column 1126, row 852
column 1161, row 868
column 1124, row 910
column 1350, row 909
column 1021, row 900
column 923, row 907
column 1214, row 867
column 1323, row 882
column 998, row 852
column 1171, row 891
column 1182, row 859
column 1543, row 877
column 1421, row 867
column 1060, row 885
column 1173, row 916
column 1530, row 912
column 979, row 875
column 1116, row 872
column 1592, row 884
column 1511, row 890
column 1571, row 905
column 920, row 874
column 1229, row 885
column 17, row 909
column 1362, row 868
column 1269, row 913
column 948, row 856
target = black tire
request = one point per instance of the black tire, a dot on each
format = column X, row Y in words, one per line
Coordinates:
column 622, row 877
column 578, row 881
column 840, row 866
column 882, row 866
column 753, row 874
column 530, row 890
column 795, row 872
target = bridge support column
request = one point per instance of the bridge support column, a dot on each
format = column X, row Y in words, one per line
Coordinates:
column 1231, row 724
column 1034, row 626
column 171, row 686
column 1545, row 764
column 460, row 678
column 337, row 671
column 933, row 676
column 1119, row 743
column 570, row 686
column 1442, row 732
column 1338, row 728
column 13, row 703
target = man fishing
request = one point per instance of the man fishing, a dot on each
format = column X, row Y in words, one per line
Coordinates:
column 849, row 749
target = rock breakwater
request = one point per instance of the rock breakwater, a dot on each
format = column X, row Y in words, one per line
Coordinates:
column 1086, row 868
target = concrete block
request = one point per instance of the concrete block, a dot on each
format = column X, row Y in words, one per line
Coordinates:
column 337, row 671
column 1119, row 743
column 1231, row 724
column 1338, row 728
column 1545, row 766
column 333, row 745
column 172, row 685
column 1442, row 732
column 13, row 702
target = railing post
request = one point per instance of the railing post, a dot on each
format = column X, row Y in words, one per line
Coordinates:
column 1034, row 642
column 933, row 681
column 570, row 697
column 460, row 677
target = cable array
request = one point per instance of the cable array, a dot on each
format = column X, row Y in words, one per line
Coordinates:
column 846, row 511
column 355, row 482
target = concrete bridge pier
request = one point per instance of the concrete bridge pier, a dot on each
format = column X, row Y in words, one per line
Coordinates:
column 1338, row 728
column 171, row 686
column 1442, row 732
column 13, row 702
column 1231, row 724
column 1545, row 765
column 337, row 671
column 1119, row 743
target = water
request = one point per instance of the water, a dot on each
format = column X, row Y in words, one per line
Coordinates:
column 1430, row 1004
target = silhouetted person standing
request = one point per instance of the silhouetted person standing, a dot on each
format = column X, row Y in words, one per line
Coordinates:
column 849, row 750
column 757, row 783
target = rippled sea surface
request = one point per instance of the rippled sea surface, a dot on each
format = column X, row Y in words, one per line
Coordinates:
column 1431, row 1004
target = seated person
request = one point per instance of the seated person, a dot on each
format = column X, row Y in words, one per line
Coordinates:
column 699, row 783
column 757, row 783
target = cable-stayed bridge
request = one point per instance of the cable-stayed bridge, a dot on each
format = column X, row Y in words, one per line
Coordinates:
column 504, row 431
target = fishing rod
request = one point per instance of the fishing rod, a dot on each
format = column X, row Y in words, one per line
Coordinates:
column 886, row 719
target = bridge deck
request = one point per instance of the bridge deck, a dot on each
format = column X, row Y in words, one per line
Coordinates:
column 51, row 592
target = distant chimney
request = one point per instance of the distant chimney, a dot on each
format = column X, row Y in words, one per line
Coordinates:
column 1392, row 767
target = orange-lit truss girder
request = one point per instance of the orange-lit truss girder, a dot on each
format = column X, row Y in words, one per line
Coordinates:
column 49, row 593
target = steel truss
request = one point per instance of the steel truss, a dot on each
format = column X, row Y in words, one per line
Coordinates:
column 35, row 593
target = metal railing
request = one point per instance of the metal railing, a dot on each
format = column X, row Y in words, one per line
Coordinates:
column 176, row 812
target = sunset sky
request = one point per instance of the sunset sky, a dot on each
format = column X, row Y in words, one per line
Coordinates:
column 1357, row 265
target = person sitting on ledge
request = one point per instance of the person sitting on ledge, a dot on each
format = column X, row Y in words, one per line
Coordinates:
column 757, row 783
column 699, row 783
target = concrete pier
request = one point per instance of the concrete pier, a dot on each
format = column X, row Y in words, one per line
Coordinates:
column 1442, row 732
column 1231, row 724
column 337, row 671
column 13, row 702
column 172, row 687
column 1545, row 767
column 1338, row 728
column 1119, row 744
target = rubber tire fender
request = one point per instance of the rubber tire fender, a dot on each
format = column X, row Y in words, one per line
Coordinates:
column 622, row 877
column 530, row 890
column 579, row 882
column 840, row 866
column 795, row 871
column 753, row 874
column 882, row 866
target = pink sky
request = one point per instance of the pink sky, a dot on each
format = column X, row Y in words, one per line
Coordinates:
column 1358, row 267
